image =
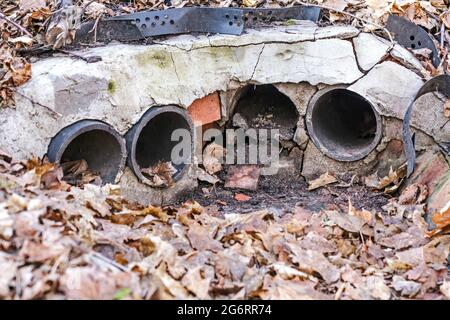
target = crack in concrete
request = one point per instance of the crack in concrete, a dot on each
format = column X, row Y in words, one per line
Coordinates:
column 176, row 73
column 248, row 44
column 175, row 67
column 381, row 60
column 56, row 115
column 257, row 62
column 356, row 58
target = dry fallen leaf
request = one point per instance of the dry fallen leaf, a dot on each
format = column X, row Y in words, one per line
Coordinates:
column 350, row 223
column 250, row 3
column 336, row 4
column 375, row 287
column 242, row 197
column 26, row 40
column 280, row 289
column 405, row 287
column 213, row 157
column 6, row 223
column 161, row 174
column 364, row 214
column 201, row 238
column 445, row 289
column 27, row 5
column 310, row 261
column 196, row 283
column 441, row 219
column 390, row 183
column 323, row 180
column 447, row 108
column 414, row 194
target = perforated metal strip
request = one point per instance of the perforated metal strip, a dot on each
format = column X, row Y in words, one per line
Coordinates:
column 412, row 36
column 186, row 20
column 261, row 16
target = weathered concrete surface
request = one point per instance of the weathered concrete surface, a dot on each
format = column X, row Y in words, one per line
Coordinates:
column 390, row 87
column 388, row 153
column 428, row 116
column 132, row 189
column 299, row 32
column 309, row 61
column 371, row 50
column 132, row 78
column 299, row 93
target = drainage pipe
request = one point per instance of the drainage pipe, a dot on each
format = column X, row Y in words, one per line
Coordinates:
column 94, row 141
column 343, row 124
column 149, row 141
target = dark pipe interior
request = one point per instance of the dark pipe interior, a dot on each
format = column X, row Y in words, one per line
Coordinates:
column 154, row 143
column 344, row 122
column 260, row 101
column 264, row 107
column 100, row 149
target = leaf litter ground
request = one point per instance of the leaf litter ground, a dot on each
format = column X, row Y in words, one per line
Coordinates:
column 59, row 241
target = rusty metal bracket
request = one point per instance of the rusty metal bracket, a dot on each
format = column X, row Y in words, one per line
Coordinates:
column 410, row 35
column 165, row 22
column 146, row 24
column 437, row 84
column 261, row 16
column 185, row 20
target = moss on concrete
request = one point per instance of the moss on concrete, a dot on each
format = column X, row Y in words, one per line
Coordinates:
column 112, row 87
column 159, row 58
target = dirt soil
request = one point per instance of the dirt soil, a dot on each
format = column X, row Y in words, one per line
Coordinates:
column 284, row 192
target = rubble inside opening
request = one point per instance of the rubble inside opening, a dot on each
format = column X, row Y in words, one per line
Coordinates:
column 154, row 142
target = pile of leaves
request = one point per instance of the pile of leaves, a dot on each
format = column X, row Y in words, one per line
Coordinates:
column 29, row 24
column 59, row 241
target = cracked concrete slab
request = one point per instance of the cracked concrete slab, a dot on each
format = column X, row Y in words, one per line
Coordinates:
column 132, row 78
column 390, row 87
column 370, row 50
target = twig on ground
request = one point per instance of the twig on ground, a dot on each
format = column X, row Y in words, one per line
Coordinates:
column 94, row 28
column 15, row 24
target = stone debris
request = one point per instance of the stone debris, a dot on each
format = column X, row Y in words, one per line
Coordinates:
column 243, row 177
column 239, row 121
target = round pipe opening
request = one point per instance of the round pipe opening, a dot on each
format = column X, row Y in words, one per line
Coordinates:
column 343, row 124
column 150, row 145
column 263, row 106
column 93, row 141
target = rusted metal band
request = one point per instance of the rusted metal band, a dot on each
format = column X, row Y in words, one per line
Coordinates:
column 437, row 84
column 261, row 16
column 410, row 35
column 146, row 24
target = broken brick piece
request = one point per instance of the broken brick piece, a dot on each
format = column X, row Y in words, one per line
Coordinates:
column 243, row 177
column 205, row 110
column 241, row 197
